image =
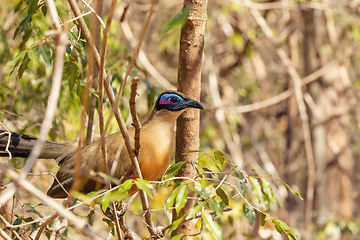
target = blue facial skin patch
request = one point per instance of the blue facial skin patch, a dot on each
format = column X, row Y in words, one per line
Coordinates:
column 169, row 98
column 175, row 102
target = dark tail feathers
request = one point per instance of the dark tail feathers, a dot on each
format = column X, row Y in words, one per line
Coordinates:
column 21, row 145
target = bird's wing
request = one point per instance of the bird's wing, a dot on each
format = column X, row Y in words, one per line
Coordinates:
column 119, row 165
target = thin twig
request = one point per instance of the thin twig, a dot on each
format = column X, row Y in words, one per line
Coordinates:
column 96, row 32
column 144, row 60
column 44, row 224
column 101, row 115
column 127, row 231
column 280, row 97
column 61, row 42
column 303, row 115
column 8, row 225
column 95, row 13
column 195, row 217
column 113, row 102
column 142, row 36
column 78, row 155
column 77, row 17
column 79, row 224
column 9, row 140
column 4, row 235
column 136, row 122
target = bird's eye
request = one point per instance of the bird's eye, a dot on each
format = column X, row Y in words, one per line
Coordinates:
column 174, row 100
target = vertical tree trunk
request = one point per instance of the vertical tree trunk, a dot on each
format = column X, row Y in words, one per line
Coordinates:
column 317, row 134
column 189, row 80
column 96, row 32
column 334, row 162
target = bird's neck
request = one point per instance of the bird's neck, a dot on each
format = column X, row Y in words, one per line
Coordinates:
column 157, row 145
column 160, row 128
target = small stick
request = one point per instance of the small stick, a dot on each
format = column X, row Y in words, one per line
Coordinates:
column 136, row 122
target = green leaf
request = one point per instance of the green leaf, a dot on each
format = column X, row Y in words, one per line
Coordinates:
column 243, row 187
column 23, row 65
column 197, row 208
column 71, row 72
column 219, row 159
column 45, row 53
column 16, row 60
column 18, row 220
column 212, row 226
column 293, row 191
column 111, row 225
column 34, row 225
column 22, row 26
column 205, row 192
column 239, row 175
column 181, row 198
column 177, row 237
column 257, row 191
column 79, row 89
column 282, row 227
column 176, row 223
column 222, row 195
column 32, row 210
column 173, row 169
column 177, row 21
column 171, row 199
column 105, row 200
column 193, row 151
column 33, row 54
column 144, row 185
column 117, row 195
column 44, row 10
column 267, row 189
column 32, row 7
column 126, row 185
column 110, row 178
column 90, row 215
column 262, row 219
column 249, row 213
column 92, row 90
column 215, row 206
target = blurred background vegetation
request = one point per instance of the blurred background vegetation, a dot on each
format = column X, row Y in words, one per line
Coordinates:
column 241, row 67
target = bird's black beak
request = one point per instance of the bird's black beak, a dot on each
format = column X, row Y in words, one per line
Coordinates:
column 190, row 103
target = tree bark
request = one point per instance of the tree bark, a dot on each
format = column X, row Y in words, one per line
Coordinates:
column 189, row 81
column 333, row 160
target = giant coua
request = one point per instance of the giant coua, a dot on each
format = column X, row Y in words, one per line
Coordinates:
column 157, row 143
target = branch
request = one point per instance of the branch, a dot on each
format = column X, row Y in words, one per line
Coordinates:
column 79, row 224
column 96, row 32
column 278, row 98
column 61, row 41
column 194, row 217
column 4, row 235
column 113, row 101
column 144, row 60
column 303, row 114
column 136, row 122
column 129, row 234
column 101, row 96
column 143, row 32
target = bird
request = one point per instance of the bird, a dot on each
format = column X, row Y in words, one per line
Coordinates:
column 156, row 148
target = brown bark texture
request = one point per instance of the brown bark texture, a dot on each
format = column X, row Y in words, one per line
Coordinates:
column 189, row 82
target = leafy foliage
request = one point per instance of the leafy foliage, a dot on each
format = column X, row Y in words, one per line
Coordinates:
column 243, row 61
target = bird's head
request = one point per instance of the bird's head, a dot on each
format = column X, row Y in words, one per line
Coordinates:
column 175, row 101
column 172, row 104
